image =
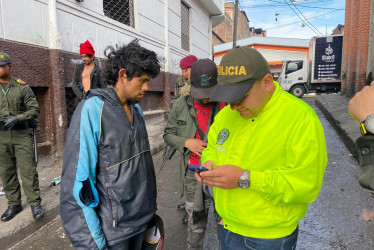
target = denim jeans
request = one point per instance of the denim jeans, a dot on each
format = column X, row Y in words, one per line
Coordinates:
column 133, row 243
column 233, row 241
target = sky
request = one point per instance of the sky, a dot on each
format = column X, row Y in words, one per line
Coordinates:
column 279, row 19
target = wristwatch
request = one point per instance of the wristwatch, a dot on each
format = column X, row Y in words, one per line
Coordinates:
column 243, row 181
column 367, row 126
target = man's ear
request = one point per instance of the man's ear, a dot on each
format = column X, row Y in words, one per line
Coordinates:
column 268, row 81
column 122, row 73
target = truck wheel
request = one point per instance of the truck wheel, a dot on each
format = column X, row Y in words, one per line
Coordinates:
column 298, row 91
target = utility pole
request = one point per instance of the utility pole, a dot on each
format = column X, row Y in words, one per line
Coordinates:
column 370, row 63
column 235, row 24
column 326, row 29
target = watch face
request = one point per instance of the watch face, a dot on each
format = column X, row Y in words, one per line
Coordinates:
column 244, row 183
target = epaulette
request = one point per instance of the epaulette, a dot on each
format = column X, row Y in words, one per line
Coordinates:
column 20, row 81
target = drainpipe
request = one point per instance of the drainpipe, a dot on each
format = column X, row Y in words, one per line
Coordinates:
column 54, row 36
column 56, row 91
column 166, row 99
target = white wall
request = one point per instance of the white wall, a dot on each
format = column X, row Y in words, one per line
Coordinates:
column 280, row 55
column 24, row 21
column 28, row 21
column 272, row 55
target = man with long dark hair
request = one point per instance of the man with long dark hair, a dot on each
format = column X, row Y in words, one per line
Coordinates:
column 87, row 75
column 108, row 187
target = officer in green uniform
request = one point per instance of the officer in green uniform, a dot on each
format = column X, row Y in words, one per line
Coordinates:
column 18, row 111
column 181, row 82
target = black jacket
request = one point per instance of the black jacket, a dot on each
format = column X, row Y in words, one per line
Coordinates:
column 96, row 80
column 108, row 186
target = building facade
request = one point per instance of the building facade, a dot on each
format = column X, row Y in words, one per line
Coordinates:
column 358, row 46
column 223, row 32
column 43, row 38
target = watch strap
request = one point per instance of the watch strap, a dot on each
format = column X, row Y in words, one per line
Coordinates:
column 366, row 126
column 363, row 128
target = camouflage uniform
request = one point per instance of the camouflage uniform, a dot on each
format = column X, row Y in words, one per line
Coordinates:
column 16, row 145
column 179, row 84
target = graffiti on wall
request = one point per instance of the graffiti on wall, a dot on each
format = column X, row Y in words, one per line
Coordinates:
column 28, row 36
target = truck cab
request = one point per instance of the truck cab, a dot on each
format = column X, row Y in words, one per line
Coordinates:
column 293, row 77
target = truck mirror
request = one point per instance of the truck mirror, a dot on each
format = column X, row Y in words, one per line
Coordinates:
column 285, row 76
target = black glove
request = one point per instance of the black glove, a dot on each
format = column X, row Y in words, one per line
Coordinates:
column 11, row 122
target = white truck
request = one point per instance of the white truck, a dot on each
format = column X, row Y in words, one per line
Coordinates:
column 321, row 72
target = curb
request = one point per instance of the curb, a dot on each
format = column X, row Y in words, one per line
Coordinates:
column 347, row 138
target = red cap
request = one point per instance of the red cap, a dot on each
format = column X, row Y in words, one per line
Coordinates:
column 86, row 48
column 187, row 61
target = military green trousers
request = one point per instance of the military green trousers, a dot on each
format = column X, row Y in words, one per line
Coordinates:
column 16, row 149
column 195, row 231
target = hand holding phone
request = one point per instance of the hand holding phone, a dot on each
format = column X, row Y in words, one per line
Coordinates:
column 197, row 168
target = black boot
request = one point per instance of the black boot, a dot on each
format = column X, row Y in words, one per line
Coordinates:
column 11, row 212
column 37, row 212
column 181, row 205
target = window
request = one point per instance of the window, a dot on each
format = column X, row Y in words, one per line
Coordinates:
column 120, row 10
column 294, row 66
column 185, row 26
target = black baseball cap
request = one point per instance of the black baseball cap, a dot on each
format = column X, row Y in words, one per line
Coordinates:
column 203, row 78
column 5, row 58
column 239, row 69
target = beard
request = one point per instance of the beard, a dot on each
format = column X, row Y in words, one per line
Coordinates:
column 87, row 62
column 133, row 100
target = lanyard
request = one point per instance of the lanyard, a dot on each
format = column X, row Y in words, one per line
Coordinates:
column 6, row 90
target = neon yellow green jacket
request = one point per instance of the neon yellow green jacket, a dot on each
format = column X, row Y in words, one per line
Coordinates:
column 284, row 149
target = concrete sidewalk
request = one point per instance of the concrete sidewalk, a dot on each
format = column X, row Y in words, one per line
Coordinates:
column 23, row 224
column 335, row 108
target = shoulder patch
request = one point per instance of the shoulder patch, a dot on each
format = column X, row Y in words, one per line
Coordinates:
column 20, row 81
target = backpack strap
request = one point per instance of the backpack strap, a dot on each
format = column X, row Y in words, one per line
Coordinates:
column 201, row 133
column 214, row 110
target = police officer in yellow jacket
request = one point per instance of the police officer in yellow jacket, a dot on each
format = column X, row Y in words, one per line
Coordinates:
column 18, row 111
column 267, row 155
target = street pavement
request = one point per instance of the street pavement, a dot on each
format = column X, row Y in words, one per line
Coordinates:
column 332, row 222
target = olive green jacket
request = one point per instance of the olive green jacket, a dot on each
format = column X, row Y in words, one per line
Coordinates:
column 364, row 145
column 18, row 100
column 180, row 127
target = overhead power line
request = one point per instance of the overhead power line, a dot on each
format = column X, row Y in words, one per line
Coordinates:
column 315, row 31
column 308, row 6
column 305, row 17
column 284, row 25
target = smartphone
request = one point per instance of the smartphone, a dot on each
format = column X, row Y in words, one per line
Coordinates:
column 197, row 168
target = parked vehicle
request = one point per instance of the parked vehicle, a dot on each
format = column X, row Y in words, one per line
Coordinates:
column 321, row 72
